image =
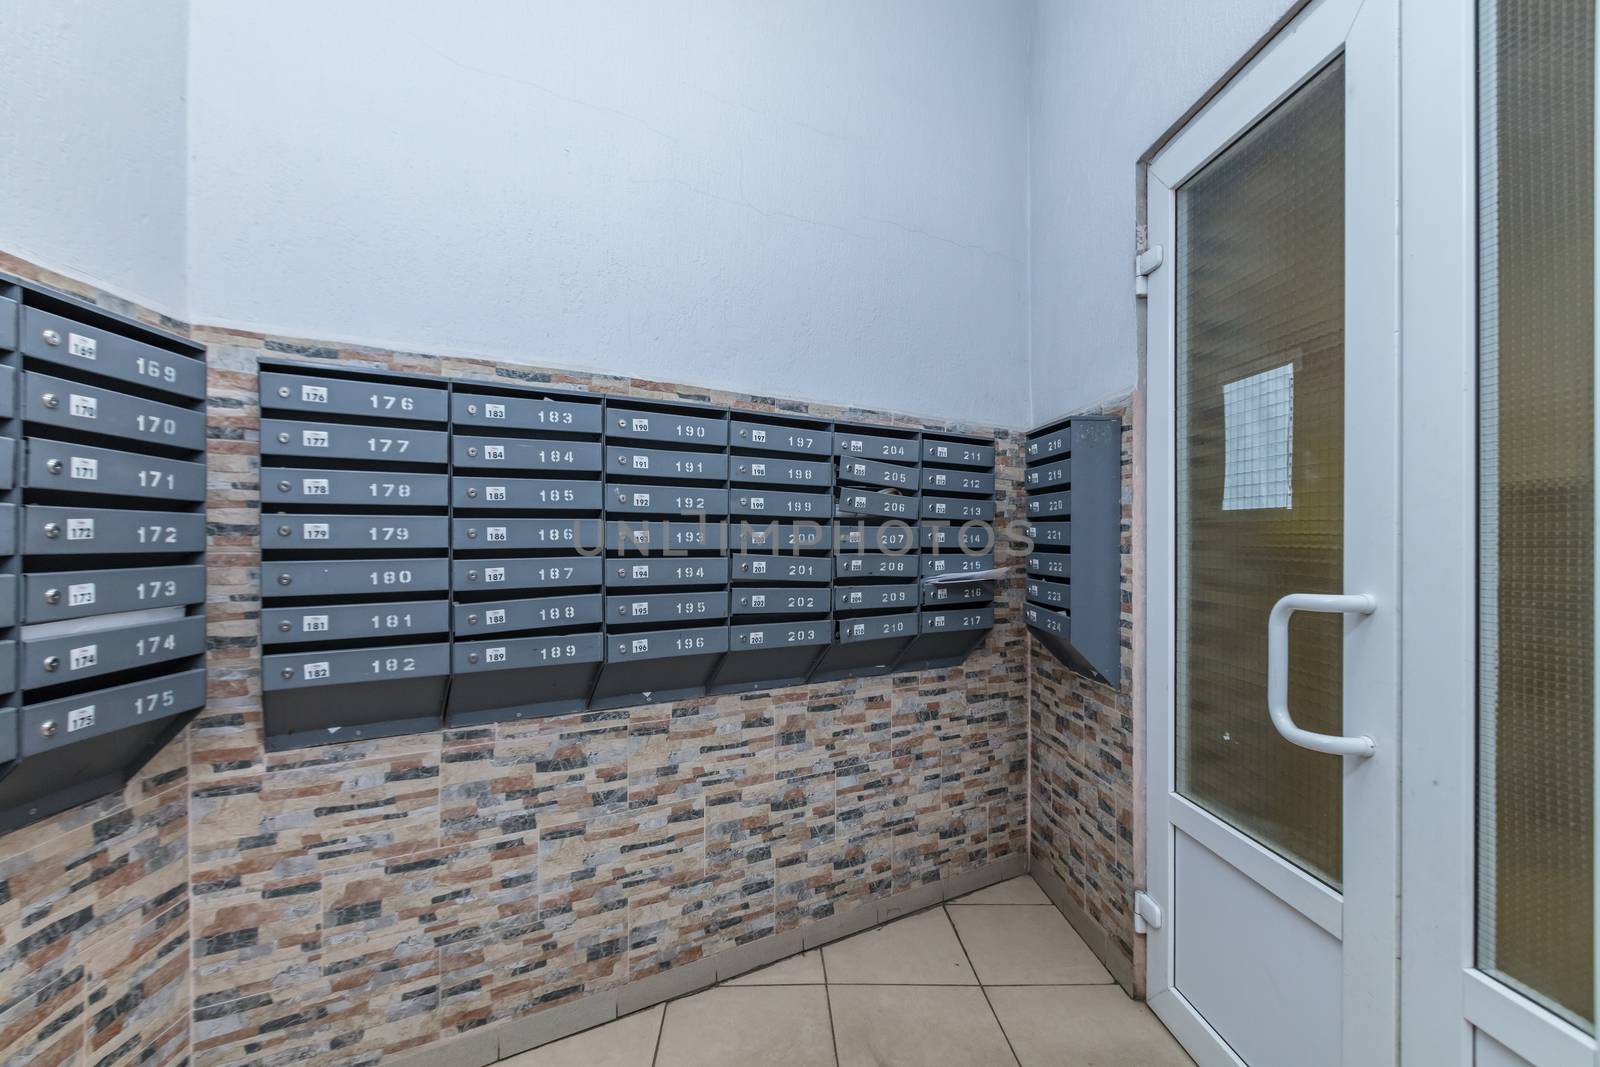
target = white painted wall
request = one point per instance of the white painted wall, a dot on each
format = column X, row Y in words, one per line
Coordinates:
column 92, row 122
column 822, row 199
column 1109, row 76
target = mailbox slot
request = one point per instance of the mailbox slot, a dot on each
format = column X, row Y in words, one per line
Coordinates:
column 876, row 565
column 940, row 480
column 853, row 502
column 352, row 441
column 517, row 454
column 895, row 449
column 946, row 637
column 498, row 412
column 953, row 452
column 658, row 666
column 1057, row 505
column 57, row 466
column 368, row 488
column 491, row 618
column 956, row 563
column 1057, row 595
column 313, row 698
column 697, row 427
column 1054, row 565
column 660, row 465
column 497, row 575
column 782, row 568
column 969, row 536
column 866, row 646
column 770, row 471
column 504, row 534
column 687, row 501
column 660, row 609
column 382, row 620
column 854, row 470
column 652, row 536
column 774, row 505
column 1048, row 476
column 351, row 577
column 752, row 536
column 93, row 350
column 376, row 397
column 64, row 531
column 771, row 655
column 679, row 571
column 90, row 409
column 875, row 596
column 956, row 509
column 948, row 594
column 759, row 435
column 319, row 532
column 780, row 600
column 506, row 679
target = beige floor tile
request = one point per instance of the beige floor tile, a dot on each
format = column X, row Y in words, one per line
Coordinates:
column 1022, row 890
column 1083, row 1026
column 628, row 1042
column 920, row 949
column 1021, row 945
column 916, row 1026
column 804, row 969
column 736, row 1026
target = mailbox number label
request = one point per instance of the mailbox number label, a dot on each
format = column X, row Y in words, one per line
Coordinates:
column 80, row 595
column 314, row 394
column 83, row 407
column 83, row 530
column 313, row 672
column 314, row 438
column 85, row 468
column 494, row 655
column 314, row 624
column 80, row 718
column 82, row 347
column 494, row 411
column 83, row 656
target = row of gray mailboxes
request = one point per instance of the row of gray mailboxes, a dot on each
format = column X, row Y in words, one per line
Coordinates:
column 345, row 488
column 389, row 619
column 313, row 440
column 616, row 419
column 394, row 662
column 426, row 574
column 422, row 532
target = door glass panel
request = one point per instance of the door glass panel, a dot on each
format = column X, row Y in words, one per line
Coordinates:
column 1260, row 439
column 1536, row 499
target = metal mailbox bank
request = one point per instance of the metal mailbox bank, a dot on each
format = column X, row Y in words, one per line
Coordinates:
column 102, row 548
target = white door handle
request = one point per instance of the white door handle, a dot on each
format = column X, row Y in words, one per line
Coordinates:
column 1278, row 669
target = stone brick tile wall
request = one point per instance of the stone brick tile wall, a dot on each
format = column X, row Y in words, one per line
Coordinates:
column 1084, row 840
column 340, row 904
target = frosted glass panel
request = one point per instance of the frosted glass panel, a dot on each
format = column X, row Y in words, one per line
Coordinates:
column 1260, row 395
column 1536, row 499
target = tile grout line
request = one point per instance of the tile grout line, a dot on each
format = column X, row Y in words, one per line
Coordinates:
column 827, row 999
column 661, row 1028
column 981, row 988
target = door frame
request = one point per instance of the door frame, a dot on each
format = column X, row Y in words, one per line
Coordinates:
column 1444, row 997
column 1365, row 916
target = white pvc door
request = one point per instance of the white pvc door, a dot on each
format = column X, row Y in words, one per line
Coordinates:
column 1273, row 473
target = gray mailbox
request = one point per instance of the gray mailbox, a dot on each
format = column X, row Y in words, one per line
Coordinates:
column 1074, row 572
column 102, row 547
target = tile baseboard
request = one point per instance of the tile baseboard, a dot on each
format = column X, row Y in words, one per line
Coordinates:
column 485, row 1046
column 1093, row 934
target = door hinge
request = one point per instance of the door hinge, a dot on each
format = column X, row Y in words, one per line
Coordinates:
column 1146, row 912
column 1146, row 264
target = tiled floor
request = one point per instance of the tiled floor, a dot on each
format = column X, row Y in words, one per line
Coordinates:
column 997, row 977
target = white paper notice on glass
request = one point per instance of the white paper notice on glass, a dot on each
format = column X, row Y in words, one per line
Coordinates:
column 1258, row 416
